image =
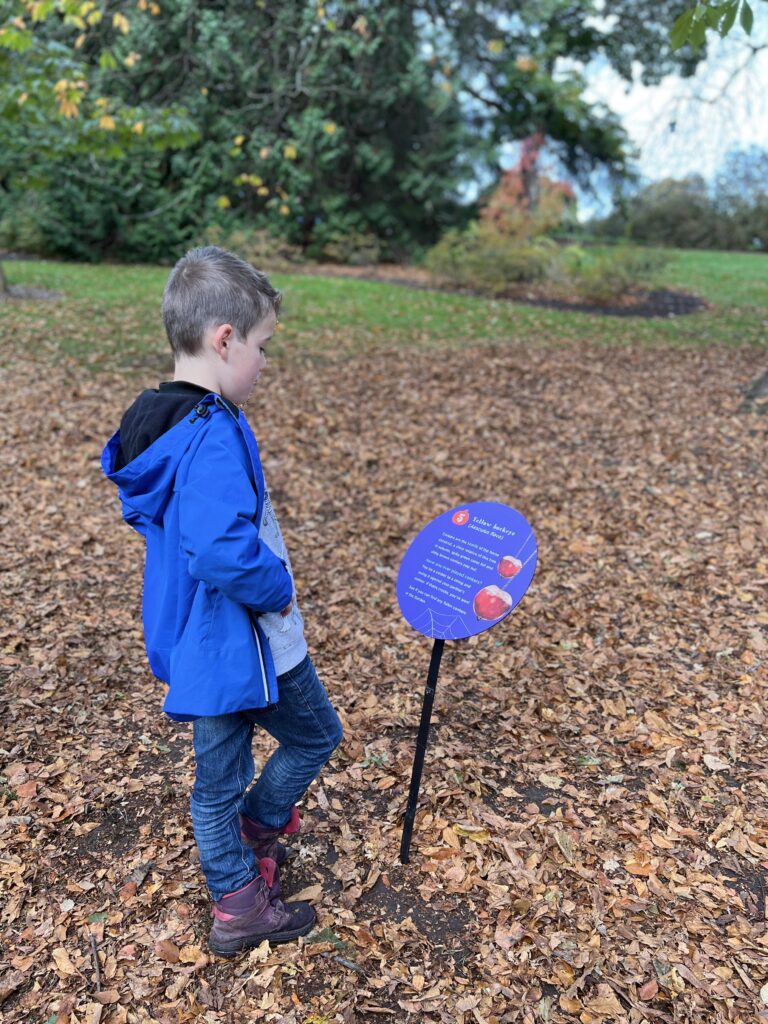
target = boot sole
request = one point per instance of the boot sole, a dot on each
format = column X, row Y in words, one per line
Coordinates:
column 251, row 941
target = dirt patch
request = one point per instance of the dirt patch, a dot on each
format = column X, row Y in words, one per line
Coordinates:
column 750, row 883
column 756, row 396
column 444, row 921
column 118, row 831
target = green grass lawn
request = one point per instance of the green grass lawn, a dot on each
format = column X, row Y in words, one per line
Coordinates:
column 110, row 314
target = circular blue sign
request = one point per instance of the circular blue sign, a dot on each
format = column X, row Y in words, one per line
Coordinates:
column 466, row 570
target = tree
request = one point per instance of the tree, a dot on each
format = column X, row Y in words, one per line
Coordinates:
column 674, row 213
column 49, row 107
column 522, row 66
column 336, row 121
column 319, row 123
column 527, row 204
column 741, row 199
column 730, row 213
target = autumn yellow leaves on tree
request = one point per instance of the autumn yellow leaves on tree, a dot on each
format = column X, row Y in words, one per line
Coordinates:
column 50, row 82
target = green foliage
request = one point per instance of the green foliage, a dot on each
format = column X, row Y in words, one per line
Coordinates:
column 258, row 247
column 86, row 208
column 691, row 26
column 740, row 198
column 354, row 248
column 509, row 245
column 600, row 275
column 51, row 101
column 485, row 259
column 330, row 126
column 59, row 130
column 583, row 134
column 512, row 62
column 325, row 127
column 672, row 212
column 688, row 213
column 20, row 226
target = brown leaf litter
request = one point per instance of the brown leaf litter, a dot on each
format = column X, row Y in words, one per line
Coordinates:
column 592, row 839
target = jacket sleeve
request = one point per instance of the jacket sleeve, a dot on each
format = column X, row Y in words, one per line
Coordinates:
column 218, row 535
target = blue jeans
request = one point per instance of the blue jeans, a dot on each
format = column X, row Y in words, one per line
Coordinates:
column 307, row 729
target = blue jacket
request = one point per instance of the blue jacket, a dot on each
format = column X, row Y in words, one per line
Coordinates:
column 196, row 496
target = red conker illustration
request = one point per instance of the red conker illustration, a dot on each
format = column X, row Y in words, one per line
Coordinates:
column 491, row 603
column 509, row 566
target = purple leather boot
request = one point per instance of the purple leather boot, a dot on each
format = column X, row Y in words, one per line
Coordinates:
column 263, row 840
column 245, row 918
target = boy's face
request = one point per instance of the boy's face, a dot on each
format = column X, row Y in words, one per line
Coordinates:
column 245, row 360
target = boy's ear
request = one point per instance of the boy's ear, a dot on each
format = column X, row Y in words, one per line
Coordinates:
column 222, row 339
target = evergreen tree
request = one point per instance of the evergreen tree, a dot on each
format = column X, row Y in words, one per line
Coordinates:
column 321, row 123
column 52, row 110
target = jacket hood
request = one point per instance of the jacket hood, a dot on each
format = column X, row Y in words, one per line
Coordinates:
column 146, row 483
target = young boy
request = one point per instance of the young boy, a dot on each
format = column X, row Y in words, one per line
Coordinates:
column 221, row 624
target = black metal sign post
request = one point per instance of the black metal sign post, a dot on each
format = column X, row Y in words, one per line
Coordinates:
column 421, row 749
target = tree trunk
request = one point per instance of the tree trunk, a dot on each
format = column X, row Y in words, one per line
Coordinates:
column 4, row 289
column 756, row 395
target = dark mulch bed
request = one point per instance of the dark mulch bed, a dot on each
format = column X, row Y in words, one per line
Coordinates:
column 661, row 302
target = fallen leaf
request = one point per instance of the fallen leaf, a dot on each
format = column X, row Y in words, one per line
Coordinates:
column 508, row 935
column 167, row 951
column 260, row 954
column 63, row 963
column 474, row 832
column 661, row 841
column 649, row 990
column 669, row 978
column 9, row 983
column 715, row 764
column 439, row 852
column 107, row 996
column 565, row 843
column 92, row 1013
column 467, row 1003
column 128, row 892
column 310, row 893
column 604, row 1002
column 639, row 864
column 611, row 433
column 551, row 781
column 190, row 954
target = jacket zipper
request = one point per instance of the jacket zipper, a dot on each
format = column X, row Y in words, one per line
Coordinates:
column 202, row 411
column 261, row 663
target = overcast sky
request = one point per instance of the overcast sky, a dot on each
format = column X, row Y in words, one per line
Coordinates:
column 686, row 126
column 723, row 106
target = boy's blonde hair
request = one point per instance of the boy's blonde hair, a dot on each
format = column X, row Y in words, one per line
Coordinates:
column 210, row 286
